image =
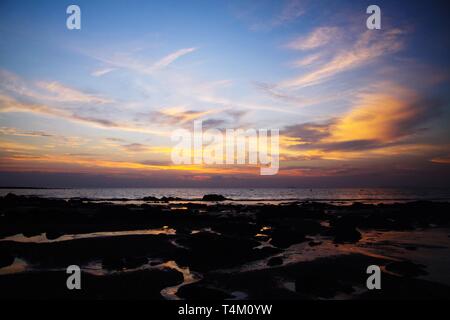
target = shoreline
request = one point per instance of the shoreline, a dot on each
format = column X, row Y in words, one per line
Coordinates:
column 217, row 198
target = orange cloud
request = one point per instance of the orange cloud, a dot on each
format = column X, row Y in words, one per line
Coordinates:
column 381, row 123
column 441, row 160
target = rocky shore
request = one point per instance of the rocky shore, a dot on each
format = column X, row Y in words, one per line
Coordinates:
column 161, row 249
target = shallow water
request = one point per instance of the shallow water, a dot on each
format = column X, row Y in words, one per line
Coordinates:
column 66, row 237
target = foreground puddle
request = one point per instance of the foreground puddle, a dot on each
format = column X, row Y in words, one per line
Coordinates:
column 17, row 266
column 66, row 237
column 170, row 293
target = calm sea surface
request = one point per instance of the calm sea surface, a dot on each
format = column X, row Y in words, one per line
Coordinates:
column 243, row 194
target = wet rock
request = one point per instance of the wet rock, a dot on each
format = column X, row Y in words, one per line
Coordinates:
column 10, row 199
column 196, row 291
column 314, row 243
column 324, row 285
column 213, row 197
column 52, row 235
column 346, row 234
column 209, row 251
column 275, row 261
column 344, row 229
column 142, row 284
column 134, row 262
column 406, row 268
column 6, row 260
column 283, row 238
column 113, row 263
column 241, row 228
column 150, row 198
column 31, row 233
column 167, row 199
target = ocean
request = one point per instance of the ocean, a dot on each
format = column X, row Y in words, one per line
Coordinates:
column 247, row 194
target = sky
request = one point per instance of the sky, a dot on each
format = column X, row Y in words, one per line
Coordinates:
column 96, row 107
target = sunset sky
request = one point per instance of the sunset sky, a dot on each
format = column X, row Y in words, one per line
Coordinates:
column 96, row 106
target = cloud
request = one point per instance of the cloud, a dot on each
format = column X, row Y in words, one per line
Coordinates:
column 386, row 118
column 102, row 72
column 46, row 91
column 292, row 9
column 63, row 93
column 135, row 147
column 24, row 133
column 54, row 99
column 255, row 13
column 272, row 91
column 8, row 104
column 126, row 61
column 170, row 58
column 308, row 60
column 317, row 38
column 309, row 132
column 367, row 48
column 441, row 160
column 179, row 115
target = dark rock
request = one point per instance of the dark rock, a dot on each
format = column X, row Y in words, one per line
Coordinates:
column 142, row 284
column 406, row 268
column 346, row 235
column 241, row 228
column 116, row 263
column 213, row 197
column 52, row 235
column 314, row 243
column 134, row 262
column 209, row 251
column 283, row 238
column 6, row 260
column 195, row 291
column 150, row 198
column 113, row 263
column 344, row 229
column 275, row 261
column 324, row 285
column 31, row 233
column 167, row 199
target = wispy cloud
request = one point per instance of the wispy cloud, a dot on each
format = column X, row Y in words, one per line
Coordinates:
column 254, row 14
column 135, row 147
column 62, row 93
column 292, row 9
column 9, row 104
column 170, row 58
column 127, row 61
column 366, row 49
column 102, row 72
column 46, row 91
column 308, row 60
column 24, row 133
column 317, row 38
column 179, row 115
